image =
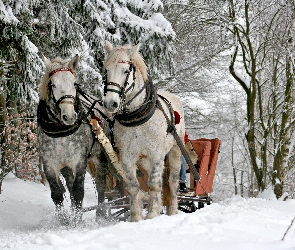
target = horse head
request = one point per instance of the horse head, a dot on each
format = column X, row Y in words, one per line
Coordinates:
column 121, row 65
column 59, row 87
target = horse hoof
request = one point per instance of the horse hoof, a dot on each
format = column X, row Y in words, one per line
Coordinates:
column 101, row 213
column 77, row 217
column 135, row 218
column 172, row 210
column 63, row 218
column 152, row 215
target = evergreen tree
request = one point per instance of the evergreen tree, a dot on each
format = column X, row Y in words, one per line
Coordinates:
column 32, row 28
column 18, row 50
column 131, row 22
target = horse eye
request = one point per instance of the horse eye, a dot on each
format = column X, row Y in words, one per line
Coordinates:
column 53, row 85
column 127, row 71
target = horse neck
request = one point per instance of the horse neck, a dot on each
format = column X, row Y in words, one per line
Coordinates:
column 140, row 99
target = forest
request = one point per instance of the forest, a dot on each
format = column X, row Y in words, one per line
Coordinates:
column 230, row 61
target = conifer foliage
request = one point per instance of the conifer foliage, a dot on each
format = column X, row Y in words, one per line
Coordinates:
column 32, row 28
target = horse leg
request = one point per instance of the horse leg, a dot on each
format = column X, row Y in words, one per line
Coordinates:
column 174, row 158
column 78, row 187
column 101, row 169
column 56, row 188
column 67, row 173
column 132, row 187
column 155, row 188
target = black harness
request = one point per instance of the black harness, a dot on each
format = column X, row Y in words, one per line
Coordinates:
column 51, row 124
column 144, row 112
column 48, row 118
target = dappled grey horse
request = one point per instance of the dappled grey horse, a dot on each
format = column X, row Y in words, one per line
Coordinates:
column 64, row 136
column 142, row 128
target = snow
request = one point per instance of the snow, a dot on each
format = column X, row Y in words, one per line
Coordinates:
column 27, row 221
column 268, row 193
column 156, row 23
column 6, row 14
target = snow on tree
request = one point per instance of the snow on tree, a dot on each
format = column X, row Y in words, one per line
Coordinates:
column 132, row 21
column 32, row 28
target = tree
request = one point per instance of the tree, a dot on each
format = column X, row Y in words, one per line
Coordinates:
column 260, row 36
column 31, row 28
column 131, row 22
column 266, row 56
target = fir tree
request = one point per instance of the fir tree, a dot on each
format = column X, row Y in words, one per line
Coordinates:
column 32, row 28
column 132, row 22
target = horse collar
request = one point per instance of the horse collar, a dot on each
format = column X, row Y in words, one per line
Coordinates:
column 144, row 112
column 52, row 126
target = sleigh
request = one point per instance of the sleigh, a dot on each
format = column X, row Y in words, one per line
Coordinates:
column 117, row 202
column 199, row 194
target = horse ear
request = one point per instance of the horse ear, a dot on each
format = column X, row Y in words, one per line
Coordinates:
column 73, row 64
column 134, row 50
column 47, row 62
column 108, row 46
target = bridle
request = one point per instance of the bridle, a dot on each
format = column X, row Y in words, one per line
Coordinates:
column 50, row 121
column 51, row 85
column 122, row 89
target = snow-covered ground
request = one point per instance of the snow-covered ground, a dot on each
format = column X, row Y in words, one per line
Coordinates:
column 27, row 221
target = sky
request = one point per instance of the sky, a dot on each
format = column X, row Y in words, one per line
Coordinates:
column 27, row 221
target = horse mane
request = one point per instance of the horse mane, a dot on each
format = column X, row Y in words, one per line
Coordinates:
column 117, row 53
column 55, row 64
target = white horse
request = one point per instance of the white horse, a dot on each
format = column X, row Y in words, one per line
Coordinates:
column 141, row 131
column 64, row 136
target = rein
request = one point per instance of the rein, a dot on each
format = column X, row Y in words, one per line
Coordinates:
column 93, row 103
column 171, row 129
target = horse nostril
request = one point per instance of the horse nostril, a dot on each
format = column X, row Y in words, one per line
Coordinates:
column 64, row 117
column 115, row 105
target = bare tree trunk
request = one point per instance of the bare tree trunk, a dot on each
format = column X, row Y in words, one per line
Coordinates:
column 281, row 158
column 3, row 136
column 234, row 168
column 241, row 185
column 251, row 91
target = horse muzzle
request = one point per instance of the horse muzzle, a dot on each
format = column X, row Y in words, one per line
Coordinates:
column 69, row 119
column 68, row 115
column 112, row 106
